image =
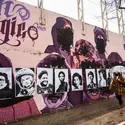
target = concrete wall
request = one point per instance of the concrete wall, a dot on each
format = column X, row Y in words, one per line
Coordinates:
column 24, row 41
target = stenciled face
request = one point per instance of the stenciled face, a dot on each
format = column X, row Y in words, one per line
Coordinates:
column 84, row 48
column 100, row 43
column 100, row 39
column 3, row 83
column 77, row 80
column 44, row 80
column 61, row 77
column 101, row 75
column 26, row 81
column 65, row 37
column 90, row 78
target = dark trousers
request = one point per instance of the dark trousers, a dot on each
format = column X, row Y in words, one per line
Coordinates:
column 119, row 97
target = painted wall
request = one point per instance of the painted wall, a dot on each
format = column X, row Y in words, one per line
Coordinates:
column 24, row 43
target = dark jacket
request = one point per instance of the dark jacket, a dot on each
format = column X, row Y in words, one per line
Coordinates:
column 62, row 87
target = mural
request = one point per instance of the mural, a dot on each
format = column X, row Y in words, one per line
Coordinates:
column 62, row 35
column 70, row 69
column 57, row 100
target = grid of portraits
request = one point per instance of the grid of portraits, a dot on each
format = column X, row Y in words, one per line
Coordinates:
column 50, row 81
column 5, row 83
column 25, row 82
column 101, row 78
column 76, row 80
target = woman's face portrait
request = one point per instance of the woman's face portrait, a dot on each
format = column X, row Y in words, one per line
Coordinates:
column 27, row 81
column 90, row 77
column 3, row 83
column 101, row 75
column 44, row 80
column 76, row 80
column 61, row 77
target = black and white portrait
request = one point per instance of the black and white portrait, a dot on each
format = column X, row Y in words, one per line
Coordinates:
column 5, row 83
column 45, row 81
column 118, row 68
column 25, row 84
column 109, row 76
column 76, row 79
column 101, row 77
column 91, row 79
column 123, row 72
column 61, row 80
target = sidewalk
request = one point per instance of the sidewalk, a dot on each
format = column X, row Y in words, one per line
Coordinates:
column 116, row 117
column 83, row 115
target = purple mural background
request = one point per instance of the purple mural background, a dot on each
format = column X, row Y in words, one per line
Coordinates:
column 63, row 52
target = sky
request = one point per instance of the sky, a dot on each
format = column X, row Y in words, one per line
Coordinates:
column 92, row 10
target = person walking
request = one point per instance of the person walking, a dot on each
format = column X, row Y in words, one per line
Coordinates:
column 118, row 82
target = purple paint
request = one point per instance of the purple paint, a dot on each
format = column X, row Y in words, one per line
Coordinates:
column 8, row 28
column 41, row 28
column 24, row 16
column 23, row 12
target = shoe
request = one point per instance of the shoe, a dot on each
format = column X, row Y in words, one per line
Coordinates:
column 120, row 106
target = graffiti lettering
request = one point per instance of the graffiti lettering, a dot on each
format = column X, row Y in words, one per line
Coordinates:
column 41, row 28
column 8, row 27
column 18, row 8
column 21, row 30
column 34, row 29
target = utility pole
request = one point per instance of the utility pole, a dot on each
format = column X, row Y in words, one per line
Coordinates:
column 41, row 18
column 80, row 9
column 113, row 6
